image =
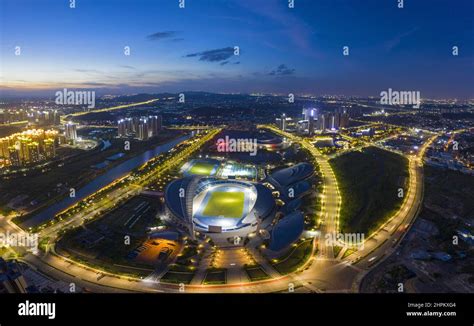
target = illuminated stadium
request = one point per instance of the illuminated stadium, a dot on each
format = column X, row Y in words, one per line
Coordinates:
column 222, row 209
column 221, row 169
column 208, row 167
column 210, row 200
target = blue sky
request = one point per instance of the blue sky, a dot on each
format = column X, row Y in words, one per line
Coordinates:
column 282, row 50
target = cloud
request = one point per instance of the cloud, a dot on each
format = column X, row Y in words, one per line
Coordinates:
column 216, row 55
column 292, row 28
column 92, row 83
column 162, row 35
column 224, row 63
column 282, row 70
column 89, row 71
column 128, row 67
column 394, row 42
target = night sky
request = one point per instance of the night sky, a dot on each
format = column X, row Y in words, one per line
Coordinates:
column 282, row 50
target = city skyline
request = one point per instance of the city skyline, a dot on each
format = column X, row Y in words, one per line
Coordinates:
column 281, row 50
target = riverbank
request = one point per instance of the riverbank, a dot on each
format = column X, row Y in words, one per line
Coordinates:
column 49, row 210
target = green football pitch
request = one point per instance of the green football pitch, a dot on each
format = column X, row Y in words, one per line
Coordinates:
column 226, row 204
column 200, row 168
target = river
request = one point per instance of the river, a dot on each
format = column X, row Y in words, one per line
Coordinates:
column 101, row 181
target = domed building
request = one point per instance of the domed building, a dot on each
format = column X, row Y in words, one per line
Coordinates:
column 225, row 210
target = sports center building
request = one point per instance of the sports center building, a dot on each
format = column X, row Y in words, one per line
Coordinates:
column 229, row 210
column 291, row 184
column 225, row 210
column 272, row 143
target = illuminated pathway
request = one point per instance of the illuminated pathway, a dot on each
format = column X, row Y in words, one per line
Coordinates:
column 196, row 127
column 118, row 107
column 331, row 199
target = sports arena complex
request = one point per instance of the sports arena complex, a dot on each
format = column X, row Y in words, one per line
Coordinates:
column 226, row 210
column 229, row 210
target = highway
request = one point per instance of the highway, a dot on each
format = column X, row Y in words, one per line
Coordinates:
column 330, row 198
column 193, row 127
column 118, row 107
column 64, row 118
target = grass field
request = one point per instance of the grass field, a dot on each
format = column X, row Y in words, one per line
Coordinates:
column 294, row 258
column 227, row 204
column 256, row 273
column 202, row 168
column 216, row 276
column 368, row 182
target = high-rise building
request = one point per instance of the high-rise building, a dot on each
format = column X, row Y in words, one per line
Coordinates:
column 135, row 124
column 14, row 156
column 23, row 145
column 159, row 122
column 278, row 122
column 128, row 125
column 70, row 131
column 310, row 112
column 29, row 146
column 322, row 122
column 33, row 152
column 49, row 148
column 332, row 121
column 155, row 125
column 122, row 128
column 56, row 118
column 302, row 126
column 281, row 122
column 344, row 121
column 51, row 134
column 4, row 144
column 142, row 128
column 43, row 118
column 311, row 121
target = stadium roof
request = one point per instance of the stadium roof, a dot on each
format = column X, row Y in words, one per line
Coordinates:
column 288, row 176
column 265, row 202
column 174, row 202
column 291, row 206
column 299, row 189
column 287, row 231
column 269, row 140
column 204, row 193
